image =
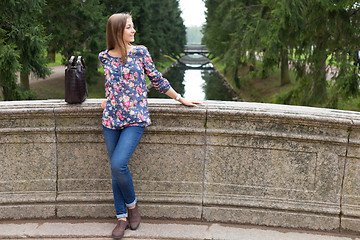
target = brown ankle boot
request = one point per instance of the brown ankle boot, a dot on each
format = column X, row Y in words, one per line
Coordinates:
column 119, row 230
column 134, row 217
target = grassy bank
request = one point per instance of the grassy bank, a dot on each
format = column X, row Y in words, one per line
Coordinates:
column 255, row 88
column 58, row 61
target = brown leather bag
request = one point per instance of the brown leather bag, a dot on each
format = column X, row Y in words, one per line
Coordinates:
column 75, row 81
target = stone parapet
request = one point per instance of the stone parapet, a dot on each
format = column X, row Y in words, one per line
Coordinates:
column 250, row 163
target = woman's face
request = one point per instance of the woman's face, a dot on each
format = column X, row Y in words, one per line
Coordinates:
column 129, row 31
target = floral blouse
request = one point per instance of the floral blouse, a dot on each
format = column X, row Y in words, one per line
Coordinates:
column 125, row 88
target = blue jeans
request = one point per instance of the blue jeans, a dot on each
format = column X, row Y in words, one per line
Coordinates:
column 120, row 145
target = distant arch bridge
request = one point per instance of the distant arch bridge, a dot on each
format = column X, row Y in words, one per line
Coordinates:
column 196, row 57
column 196, row 49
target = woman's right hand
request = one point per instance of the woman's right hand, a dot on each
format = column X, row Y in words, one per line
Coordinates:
column 103, row 104
column 189, row 103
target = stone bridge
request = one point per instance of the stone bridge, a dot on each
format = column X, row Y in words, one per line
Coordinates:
column 196, row 57
column 196, row 49
column 251, row 163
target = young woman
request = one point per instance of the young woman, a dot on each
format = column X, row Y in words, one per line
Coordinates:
column 126, row 114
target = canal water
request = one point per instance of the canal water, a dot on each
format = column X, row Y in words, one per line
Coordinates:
column 196, row 84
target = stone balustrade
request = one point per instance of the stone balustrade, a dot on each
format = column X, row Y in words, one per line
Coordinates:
column 250, row 163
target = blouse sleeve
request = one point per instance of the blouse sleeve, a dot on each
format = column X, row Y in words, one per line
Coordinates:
column 159, row 82
column 103, row 58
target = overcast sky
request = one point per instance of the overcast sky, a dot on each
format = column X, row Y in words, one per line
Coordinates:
column 193, row 12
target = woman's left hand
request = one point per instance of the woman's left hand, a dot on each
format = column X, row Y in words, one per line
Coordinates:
column 103, row 104
column 177, row 97
column 189, row 102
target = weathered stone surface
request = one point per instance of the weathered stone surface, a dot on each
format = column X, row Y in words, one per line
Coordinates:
column 83, row 167
column 27, row 211
column 17, row 230
column 169, row 175
column 274, row 160
column 155, row 229
column 28, row 162
column 351, row 191
column 270, row 217
column 78, row 209
column 172, row 211
column 84, row 179
column 251, row 163
column 350, row 224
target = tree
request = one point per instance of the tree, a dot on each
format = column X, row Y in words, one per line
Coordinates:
column 229, row 33
column 162, row 30
column 278, row 21
column 330, row 30
column 9, row 64
column 22, row 46
column 173, row 29
column 57, row 19
column 276, row 32
column 158, row 24
column 76, row 27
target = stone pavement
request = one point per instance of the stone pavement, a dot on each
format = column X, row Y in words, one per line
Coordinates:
column 154, row 229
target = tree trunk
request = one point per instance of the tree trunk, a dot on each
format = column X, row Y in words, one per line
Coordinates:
column 319, row 91
column 9, row 92
column 285, row 78
column 252, row 61
column 236, row 74
column 51, row 53
column 24, row 79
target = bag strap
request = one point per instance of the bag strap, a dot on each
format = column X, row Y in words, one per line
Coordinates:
column 71, row 61
column 80, row 61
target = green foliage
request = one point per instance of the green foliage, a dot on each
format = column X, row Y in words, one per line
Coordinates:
column 77, row 28
column 92, row 61
column 8, row 66
column 302, row 34
column 56, row 62
column 347, row 81
column 31, row 49
column 158, row 24
column 22, row 46
column 31, row 29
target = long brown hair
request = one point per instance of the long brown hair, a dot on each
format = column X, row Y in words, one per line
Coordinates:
column 114, row 33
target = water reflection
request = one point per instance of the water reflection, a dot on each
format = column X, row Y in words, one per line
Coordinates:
column 175, row 76
column 196, row 84
column 214, row 87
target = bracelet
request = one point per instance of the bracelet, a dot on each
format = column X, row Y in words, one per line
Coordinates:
column 178, row 97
